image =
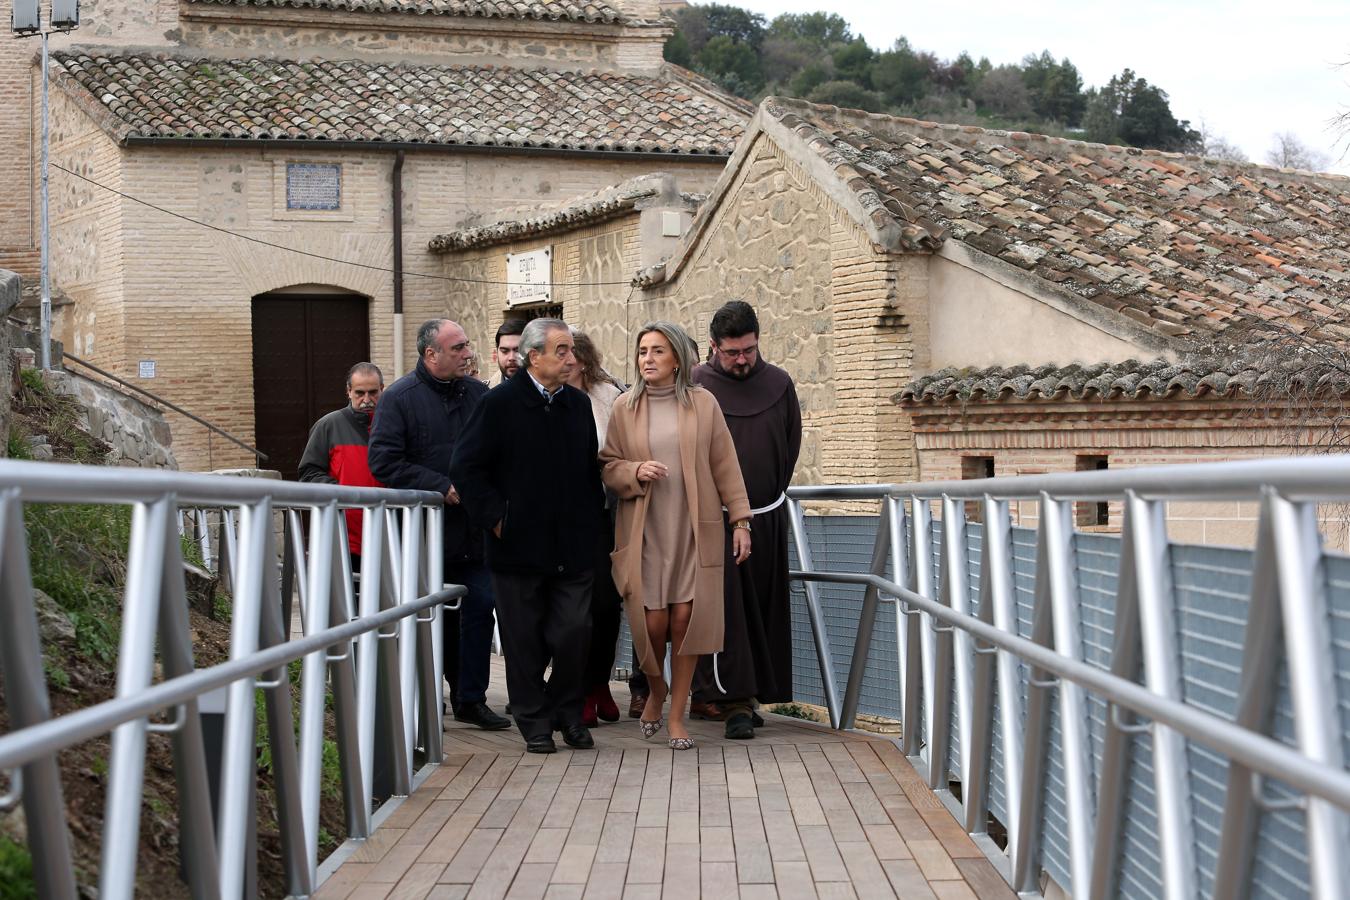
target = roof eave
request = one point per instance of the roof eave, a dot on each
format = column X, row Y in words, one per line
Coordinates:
column 313, row 144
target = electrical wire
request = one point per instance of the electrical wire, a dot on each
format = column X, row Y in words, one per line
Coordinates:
column 320, row 256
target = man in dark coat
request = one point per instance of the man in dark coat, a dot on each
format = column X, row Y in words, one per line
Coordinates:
column 337, row 448
column 760, row 404
column 417, row 424
column 528, row 471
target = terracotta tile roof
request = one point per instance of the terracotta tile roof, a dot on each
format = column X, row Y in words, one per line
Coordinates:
column 1185, row 245
column 580, row 11
column 163, row 96
column 1129, row 380
column 591, row 209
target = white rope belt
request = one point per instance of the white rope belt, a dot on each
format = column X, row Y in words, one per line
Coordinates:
column 765, row 509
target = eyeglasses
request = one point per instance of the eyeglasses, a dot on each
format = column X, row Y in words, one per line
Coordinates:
column 740, row 354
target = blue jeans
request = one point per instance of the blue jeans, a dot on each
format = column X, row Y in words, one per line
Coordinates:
column 468, row 634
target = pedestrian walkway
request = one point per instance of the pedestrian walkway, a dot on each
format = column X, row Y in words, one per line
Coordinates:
column 800, row 811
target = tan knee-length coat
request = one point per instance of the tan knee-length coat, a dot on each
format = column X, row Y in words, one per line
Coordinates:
column 712, row 480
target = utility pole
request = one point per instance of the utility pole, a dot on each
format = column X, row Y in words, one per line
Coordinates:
column 26, row 21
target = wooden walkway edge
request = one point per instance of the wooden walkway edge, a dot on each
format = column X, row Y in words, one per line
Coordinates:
column 798, row 812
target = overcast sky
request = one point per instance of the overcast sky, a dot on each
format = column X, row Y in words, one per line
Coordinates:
column 1247, row 69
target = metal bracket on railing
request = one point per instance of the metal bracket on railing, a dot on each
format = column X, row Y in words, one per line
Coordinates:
column 267, row 685
column 1133, row 728
column 1261, row 799
column 11, row 799
column 1051, row 682
column 982, row 648
column 942, row 629
column 386, row 636
column 340, row 657
column 458, row 600
column 428, row 619
column 179, row 720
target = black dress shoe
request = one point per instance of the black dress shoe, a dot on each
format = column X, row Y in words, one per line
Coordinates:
column 740, row 727
column 481, row 714
column 756, row 720
column 541, row 744
column 578, row 737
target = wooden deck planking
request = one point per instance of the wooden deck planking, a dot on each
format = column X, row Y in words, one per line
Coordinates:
column 799, row 812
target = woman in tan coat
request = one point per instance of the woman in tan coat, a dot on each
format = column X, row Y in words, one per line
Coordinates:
column 669, row 457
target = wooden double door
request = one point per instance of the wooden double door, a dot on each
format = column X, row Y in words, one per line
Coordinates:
column 303, row 346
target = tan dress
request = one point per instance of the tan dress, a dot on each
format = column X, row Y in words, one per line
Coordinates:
column 669, row 557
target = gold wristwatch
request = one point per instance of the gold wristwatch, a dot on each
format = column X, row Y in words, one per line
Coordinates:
column 742, row 524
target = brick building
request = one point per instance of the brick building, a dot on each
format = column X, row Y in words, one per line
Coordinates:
column 289, row 126
column 897, row 264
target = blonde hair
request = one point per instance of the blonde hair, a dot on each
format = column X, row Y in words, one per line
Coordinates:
column 686, row 352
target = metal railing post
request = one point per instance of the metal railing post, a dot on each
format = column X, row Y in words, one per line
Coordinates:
column 367, row 649
column 956, row 594
column 921, row 565
column 1262, row 637
column 237, row 778
column 824, row 655
column 1303, row 602
column 906, row 634
column 1162, row 675
column 313, row 673
column 867, row 617
column 407, row 629
column 27, row 704
column 1073, row 721
column 150, row 530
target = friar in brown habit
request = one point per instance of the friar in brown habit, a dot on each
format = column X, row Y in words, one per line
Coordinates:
column 760, row 404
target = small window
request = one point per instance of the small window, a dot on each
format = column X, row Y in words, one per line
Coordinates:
column 976, row 467
column 1090, row 512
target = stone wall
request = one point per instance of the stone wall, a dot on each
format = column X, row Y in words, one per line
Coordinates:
column 137, row 432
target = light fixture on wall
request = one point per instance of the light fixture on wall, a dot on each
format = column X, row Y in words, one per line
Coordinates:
column 26, row 21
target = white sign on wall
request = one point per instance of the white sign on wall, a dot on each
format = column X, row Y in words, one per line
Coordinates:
column 529, row 277
column 146, row 368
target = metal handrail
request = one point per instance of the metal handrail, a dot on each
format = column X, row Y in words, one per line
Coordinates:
column 953, row 657
column 261, row 456
column 61, row 733
column 403, row 675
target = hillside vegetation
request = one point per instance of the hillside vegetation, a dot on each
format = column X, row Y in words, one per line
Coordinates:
column 815, row 56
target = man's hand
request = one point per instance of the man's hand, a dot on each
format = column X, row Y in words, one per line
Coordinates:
column 651, row 470
column 452, row 497
column 497, row 530
column 740, row 544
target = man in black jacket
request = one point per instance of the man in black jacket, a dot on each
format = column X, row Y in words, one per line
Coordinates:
column 528, row 471
column 417, row 424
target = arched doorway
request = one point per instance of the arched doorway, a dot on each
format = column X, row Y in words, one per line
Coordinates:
column 304, row 341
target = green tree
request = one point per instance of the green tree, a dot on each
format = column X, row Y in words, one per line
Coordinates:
column 1055, row 88
column 742, row 26
column 1128, row 109
column 677, row 50
column 853, row 61
column 732, row 64
column 900, row 74
column 781, row 58
column 811, row 77
column 1004, row 93
column 820, row 28
column 846, row 94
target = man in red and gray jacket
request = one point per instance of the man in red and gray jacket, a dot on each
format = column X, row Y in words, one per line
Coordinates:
column 336, row 452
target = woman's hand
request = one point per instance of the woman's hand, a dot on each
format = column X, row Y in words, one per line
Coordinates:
column 740, row 544
column 651, row 470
